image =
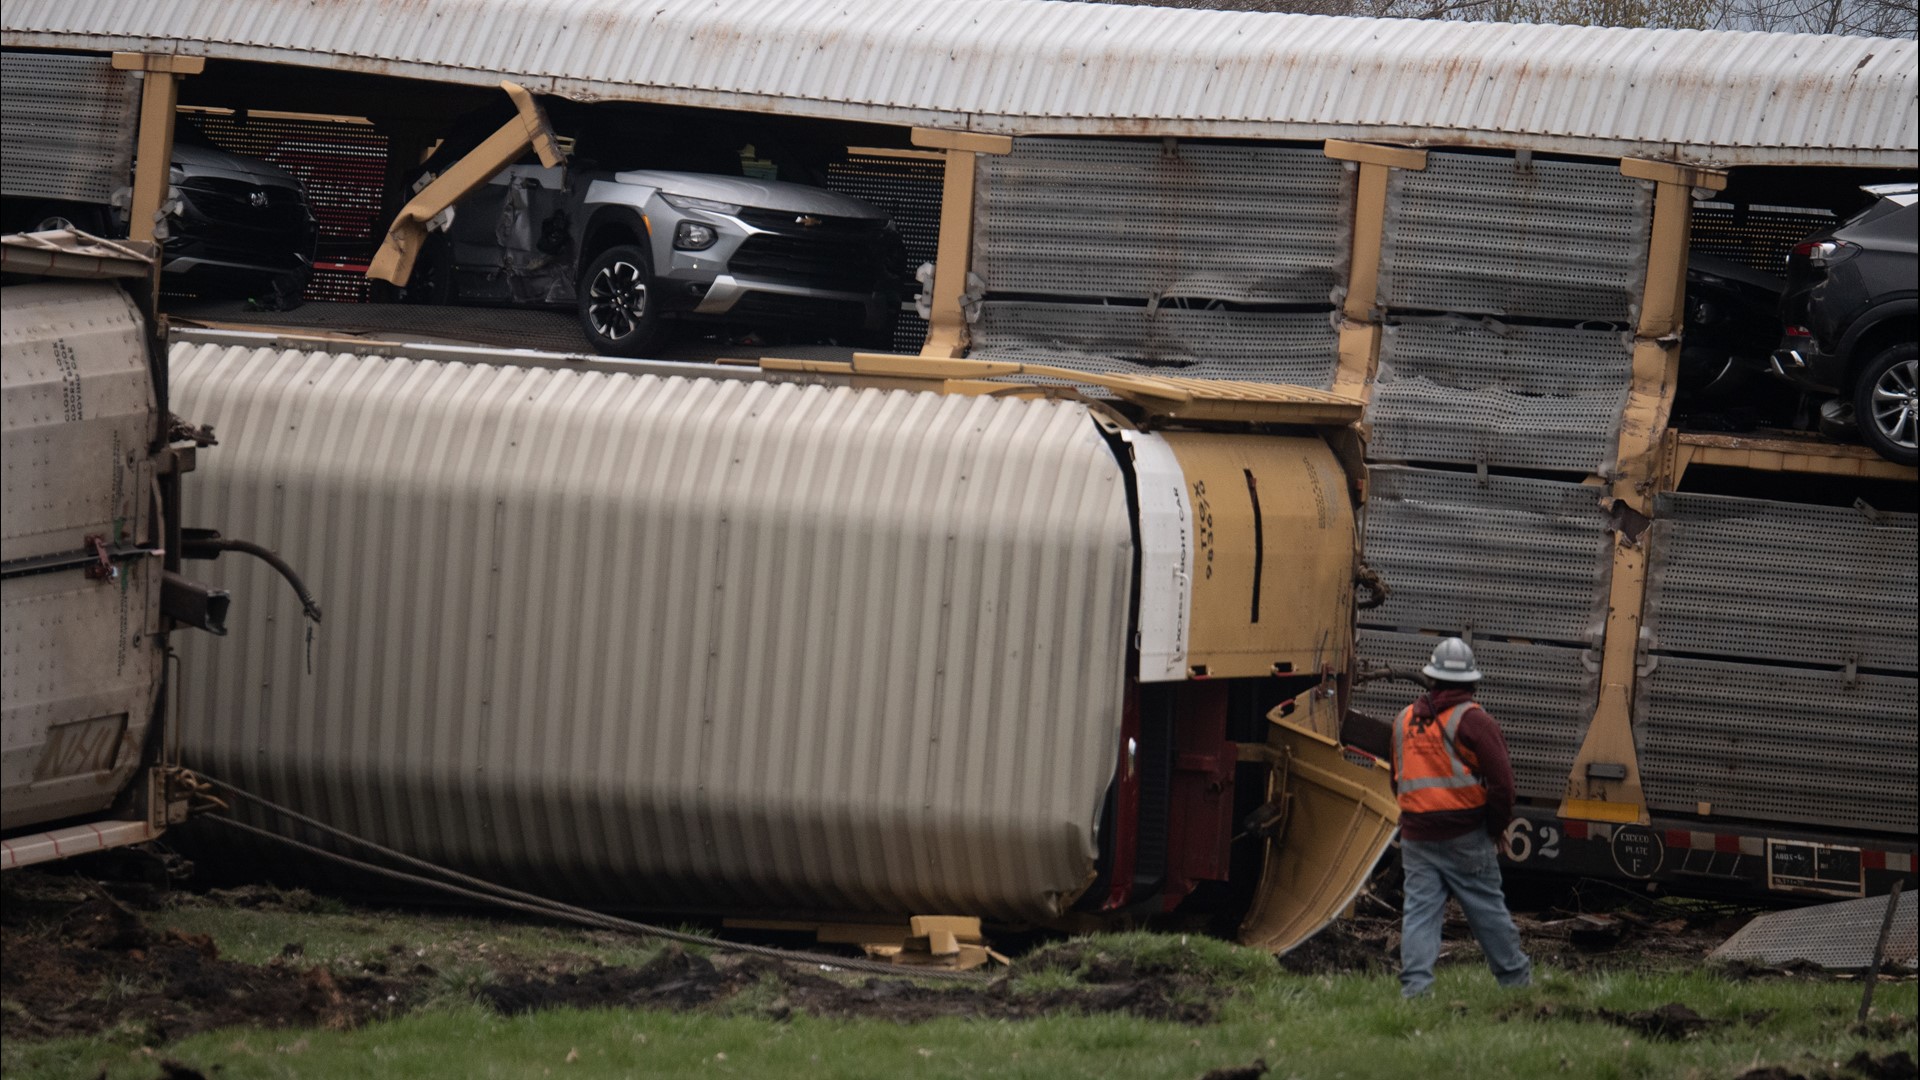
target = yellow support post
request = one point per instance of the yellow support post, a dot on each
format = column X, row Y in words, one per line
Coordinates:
column 408, row 233
column 1359, row 322
column 154, row 156
column 946, row 322
column 1604, row 784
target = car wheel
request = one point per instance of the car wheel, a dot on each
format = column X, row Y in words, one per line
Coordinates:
column 87, row 219
column 1886, row 403
column 619, row 310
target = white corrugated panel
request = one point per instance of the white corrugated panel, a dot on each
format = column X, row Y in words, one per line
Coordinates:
column 1039, row 66
column 669, row 642
column 81, row 665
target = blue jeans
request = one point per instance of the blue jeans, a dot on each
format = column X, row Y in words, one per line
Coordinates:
column 1468, row 867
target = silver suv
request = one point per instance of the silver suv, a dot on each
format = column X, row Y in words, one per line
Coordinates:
column 633, row 250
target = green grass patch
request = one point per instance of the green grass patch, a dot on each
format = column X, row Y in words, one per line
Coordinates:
column 1307, row 1026
column 336, row 934
column 1303, row 1026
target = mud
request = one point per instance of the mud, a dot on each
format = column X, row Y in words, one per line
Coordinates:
column 1862, row 1066
column 101, row 967
column 76, row 961
column 1620, row 938
column 677, row 979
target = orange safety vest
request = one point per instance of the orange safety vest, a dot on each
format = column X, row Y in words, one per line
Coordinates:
column 1429, row 771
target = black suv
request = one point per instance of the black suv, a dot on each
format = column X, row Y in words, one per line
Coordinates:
column 236, row 226
column 1850, row 309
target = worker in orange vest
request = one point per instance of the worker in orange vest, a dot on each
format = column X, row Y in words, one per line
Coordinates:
column 1455, row 788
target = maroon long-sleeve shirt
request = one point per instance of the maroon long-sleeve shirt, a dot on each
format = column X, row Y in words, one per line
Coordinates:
column 1478, row 738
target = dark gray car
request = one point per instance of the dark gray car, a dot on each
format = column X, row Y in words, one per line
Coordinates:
column 1851, row 314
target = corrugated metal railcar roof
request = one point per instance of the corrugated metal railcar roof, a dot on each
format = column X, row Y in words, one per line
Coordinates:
column 670, row 642
column 1041, row 66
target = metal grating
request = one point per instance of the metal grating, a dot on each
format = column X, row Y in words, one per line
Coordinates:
column 1505, row 557
column 1489, row 236
column 1778, row 744
column 1754, row 236
column 1542, row 695
column 1523, row 396
column 340, row 282
column 1761, row 580
column 1300, row 349
column 68, row 126
column 341, row 165
column 1126, row 218
column 1837, row 936
column 910, row 189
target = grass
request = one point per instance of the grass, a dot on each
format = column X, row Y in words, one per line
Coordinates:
column 1350, row 1026
column 332, row 933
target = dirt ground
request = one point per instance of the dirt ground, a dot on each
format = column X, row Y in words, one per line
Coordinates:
column 75, row 959
column 1647, row 939
column 79, row 969
column 81, row 966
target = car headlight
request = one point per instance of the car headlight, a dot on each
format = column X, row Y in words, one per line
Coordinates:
column 688, row 202
column 694, row 236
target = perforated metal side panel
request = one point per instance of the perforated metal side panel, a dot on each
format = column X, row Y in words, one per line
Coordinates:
column 1120, row 218
column 68, row 128
column 1542, row 695
column 1515, row 557
column 341, row 166
column 1754, row 579
column 1841, row 936
column 910, row 189
column 1779, row 744
column 1296, row 348
column 1522, row 396
column 1755, row 237
column 1560, row 240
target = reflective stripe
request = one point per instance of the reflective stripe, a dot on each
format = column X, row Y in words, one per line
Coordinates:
column 1440, row 779
column 1449, row 725
column 1426, row 782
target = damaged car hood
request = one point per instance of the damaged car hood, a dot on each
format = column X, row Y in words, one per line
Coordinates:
column 761, row 194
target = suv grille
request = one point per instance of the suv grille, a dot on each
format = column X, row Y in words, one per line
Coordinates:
column 783, row 221
column 828, row 262
column 239, row 203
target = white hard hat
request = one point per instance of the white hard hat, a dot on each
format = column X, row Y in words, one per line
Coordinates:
column 1452, row 662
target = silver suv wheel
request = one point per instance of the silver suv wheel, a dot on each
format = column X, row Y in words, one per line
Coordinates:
column 1896, row 402
column 1886, row 403
column 617, row 300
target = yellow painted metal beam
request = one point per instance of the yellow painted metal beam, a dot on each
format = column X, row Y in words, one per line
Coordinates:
column 946, row 321
column 1359, row 318
column 405, row 238
column 968, row 141
column 1391, row 157
column 1684, row 449
column 1604, row 784
column 1160, row 395
column 154, row 156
